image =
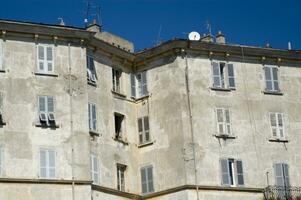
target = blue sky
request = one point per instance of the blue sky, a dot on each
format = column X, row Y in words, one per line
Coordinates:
column 250, row 22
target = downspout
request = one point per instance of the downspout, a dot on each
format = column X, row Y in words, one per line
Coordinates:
column 191, row 123
column 71, row 120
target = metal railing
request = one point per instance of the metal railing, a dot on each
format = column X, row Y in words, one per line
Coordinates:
column 282, row 193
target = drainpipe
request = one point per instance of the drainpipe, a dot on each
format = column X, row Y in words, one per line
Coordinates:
column 191, row 123
column 71, row 120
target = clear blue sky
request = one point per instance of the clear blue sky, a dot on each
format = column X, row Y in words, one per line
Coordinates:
column 250, row 22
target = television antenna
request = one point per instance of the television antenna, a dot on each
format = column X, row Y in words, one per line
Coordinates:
column 93, row 12
column 208, row 26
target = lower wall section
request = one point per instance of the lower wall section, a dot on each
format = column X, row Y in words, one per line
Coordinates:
column 14, row 191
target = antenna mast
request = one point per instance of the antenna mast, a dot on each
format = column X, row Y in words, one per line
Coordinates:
column 93, row 12
column 208, row 26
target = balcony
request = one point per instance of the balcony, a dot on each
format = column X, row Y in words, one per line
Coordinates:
column 282, row 193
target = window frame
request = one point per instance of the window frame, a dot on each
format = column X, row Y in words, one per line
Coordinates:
column 47, row 166
column 121, row 134
column 144, row 131
column 140, row 88
column 225, row 124
column 94, row 172
column 46, row 112
column 45, row 61
column 91, row 73
column 278, row 136
column 147, row 182
column 272, row 78
column 121, row 174
column 117, row 87
column 91, row 120
column 223, row 76
column 232, row 169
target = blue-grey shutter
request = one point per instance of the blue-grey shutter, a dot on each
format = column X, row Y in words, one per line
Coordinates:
column 42, row 104
column 94, row 117
column 140, row 130
column 50, row 104
column 240, row 174
column 89, row 116
column 216, row 74
column 1, row 56
column 279, row 174
column 225, row 175
column 144, row 83
column 275, row 78
column 286, row 175
column 1, row 160
column 95, row 169
column 43, row 164
column 133, row 85
column 41, row 57
column 231, row 77
column 146, row 129
column 144, row 180
column 268, row 78
column 150, row 179
column 51, row 163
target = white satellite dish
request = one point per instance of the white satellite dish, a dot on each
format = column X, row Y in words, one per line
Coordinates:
column 194, row 36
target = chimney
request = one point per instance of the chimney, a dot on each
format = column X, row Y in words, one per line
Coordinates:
column 220, row 38
column 207, row 38
column 94, row 27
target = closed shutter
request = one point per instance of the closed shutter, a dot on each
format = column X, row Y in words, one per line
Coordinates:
column 144, row 83
column 240, row 174
column 90, row 118
column 1, row 56
column 286, row 175
column 41, row 58
column 1, row 104
column 275, row 79
column 273, row 122
column 216, row 74
column 140, row 130
column 1, row 160
column 146, row 129
column 220, row 121
column 49, row 51
column 225, row 174
column 144, row 180
column 94, row 120
column 50, row 104
column 94, row 169
column 268, row 78
column 51, row 164
column 231, row 78
column 280, row 124
column 133, row 85
column 150, row 179
column 42, row 104
column 279, row 174
column 227, row 121
column 43, row 164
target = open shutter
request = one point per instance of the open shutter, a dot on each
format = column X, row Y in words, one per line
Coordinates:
column 275, row 79
column 268, row 78
column 231, row 78
column 41, row 58
column 140, row 130
column 1, row 56
column 225, row 174
column 279, row 174
column 146, row 129
column 240, row 174
column 227, row 121
column 220, row 121
column 90, row 116
column 216, row 74
column 43, row 164
column 144, row 180
column 94, row 120
column 49, row 51
column 144, row 83
column 51, row 163
column 150, row 179
column 286, row 175
column 273, row 122
column 133, row 85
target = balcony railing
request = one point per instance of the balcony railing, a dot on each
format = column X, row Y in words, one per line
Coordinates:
column 282, row 193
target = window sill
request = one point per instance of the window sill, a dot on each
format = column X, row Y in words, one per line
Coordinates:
column 222, row 89
column 225, row 137
column 278, row 140
column 92, row 83
column 54, row 126
column 145, row 144
column 118, row 94
column 2, row 71
column 2, row 124
column 142, row 97
column 93, row 133
column 45, row 74
column 121, row 141
column 272, row 92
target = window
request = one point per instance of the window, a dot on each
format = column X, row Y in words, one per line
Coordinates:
column 277, row 125
column 271, row 78
column 139, row 85
column 232, row 172
column 91, row 71
column 94, row 169
column 116, row 78
column 46, row 110
column 45, row 59
column 143, row 129
column 1, row 56
column 1, row 160
column 281, row 174
column 119, row 125
column 223, row 75
column 1, row 110
column 147, row 184
column 223, row 121
column 47, row 163
column 120, row 177
column 92, row 117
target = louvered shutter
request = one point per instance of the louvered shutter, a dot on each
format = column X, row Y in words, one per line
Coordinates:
column 144, row 83
column 216, row 75
column 144, row 180
column 268, row 78
column 140, row 130
column 150, row 179
column 146, row 129
column 133, row 85
column 220, row 121
column 50, row 104
column 41, row 58
column 279, row 174
column 43, row 164
column 49, row 55
column 1, row 160
column 1, row 56
column 286, row 175
column 231, row 78
column 95, row 169
column 273, row 122
column 275, row 79
column 225, row 175
column 227, row 121
column 94, row 120
column 280, row 124
column 1, row 103
column 51, row 164
column 239, row 171
column 42, row 104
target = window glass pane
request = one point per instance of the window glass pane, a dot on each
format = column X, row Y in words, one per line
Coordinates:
column 276, row 86
column 227, row 115
column 279, row 174
column 280, row 122
column 133, row 85
column 49, row 67
column 269, row 85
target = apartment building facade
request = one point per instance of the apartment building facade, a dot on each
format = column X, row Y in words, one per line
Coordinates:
column 84, row 117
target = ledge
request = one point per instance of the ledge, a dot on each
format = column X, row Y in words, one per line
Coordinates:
column 92, row 83
column 141, row 98
column 118, row 94
column 45, row 74
column 93, row 133
column 278, row 140
column 279, row 93
column 221, row 89
column 121, row 141
column 44, row 181
column 115, row 192
column 145, row 144
column 2, row 71
column 47, row 126
column 225, row 137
